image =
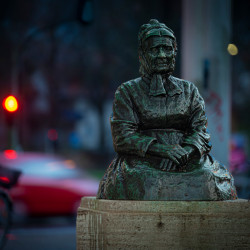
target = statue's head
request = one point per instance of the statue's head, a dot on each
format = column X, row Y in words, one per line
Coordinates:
column 157, row 48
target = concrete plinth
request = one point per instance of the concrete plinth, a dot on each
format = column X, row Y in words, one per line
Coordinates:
column 113, row 224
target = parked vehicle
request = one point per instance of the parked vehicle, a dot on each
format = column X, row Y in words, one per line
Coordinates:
column 49, row 185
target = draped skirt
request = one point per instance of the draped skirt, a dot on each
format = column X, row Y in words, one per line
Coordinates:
column 130, row 177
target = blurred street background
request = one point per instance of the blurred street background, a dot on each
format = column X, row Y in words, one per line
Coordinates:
column 63, row 61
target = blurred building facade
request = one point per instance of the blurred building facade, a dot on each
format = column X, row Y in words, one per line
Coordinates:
column 65, row 69
column 65, row 59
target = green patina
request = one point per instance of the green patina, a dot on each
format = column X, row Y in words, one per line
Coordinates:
column 159, row 133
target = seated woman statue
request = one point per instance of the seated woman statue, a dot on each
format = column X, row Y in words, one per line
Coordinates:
column 159, row 133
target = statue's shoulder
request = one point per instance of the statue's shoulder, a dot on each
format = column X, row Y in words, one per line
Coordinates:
column 130, row 86
column 184, row 84
column 132, row 83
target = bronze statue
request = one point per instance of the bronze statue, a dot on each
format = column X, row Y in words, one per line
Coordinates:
column 159, row 132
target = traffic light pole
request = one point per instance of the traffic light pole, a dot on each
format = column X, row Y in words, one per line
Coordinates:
column 14, row 138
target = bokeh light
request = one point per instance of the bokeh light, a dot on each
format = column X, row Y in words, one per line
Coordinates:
column 70, row 164
column 232, row 49
column 10, row 154
column 10, row 103
column 52, row 134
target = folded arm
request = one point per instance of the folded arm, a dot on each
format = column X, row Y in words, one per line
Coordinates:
column 128, row 140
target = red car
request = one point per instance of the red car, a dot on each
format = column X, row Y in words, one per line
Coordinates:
column 48, row 185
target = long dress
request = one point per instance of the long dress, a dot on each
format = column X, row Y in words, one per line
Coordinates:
column 171, row 111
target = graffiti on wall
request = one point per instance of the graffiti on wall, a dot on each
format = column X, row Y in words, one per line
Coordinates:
column 214, row 111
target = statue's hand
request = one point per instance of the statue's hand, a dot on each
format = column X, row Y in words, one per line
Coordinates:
column 178, row 157
column 169, row 166
column 190, row 150
column 177, row 154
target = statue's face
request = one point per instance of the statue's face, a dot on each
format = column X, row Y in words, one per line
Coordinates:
column 160, row 54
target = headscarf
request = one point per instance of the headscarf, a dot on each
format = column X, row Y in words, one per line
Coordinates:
column 153, row 28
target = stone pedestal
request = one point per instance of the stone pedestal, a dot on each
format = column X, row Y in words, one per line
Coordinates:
column 113, row 224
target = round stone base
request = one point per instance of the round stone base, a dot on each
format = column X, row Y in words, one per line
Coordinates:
column 113, row 224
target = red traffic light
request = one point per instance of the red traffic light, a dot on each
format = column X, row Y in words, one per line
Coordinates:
column 10, row 103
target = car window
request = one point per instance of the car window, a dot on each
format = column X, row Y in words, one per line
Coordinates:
column 53, row 169
column 46, row 167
